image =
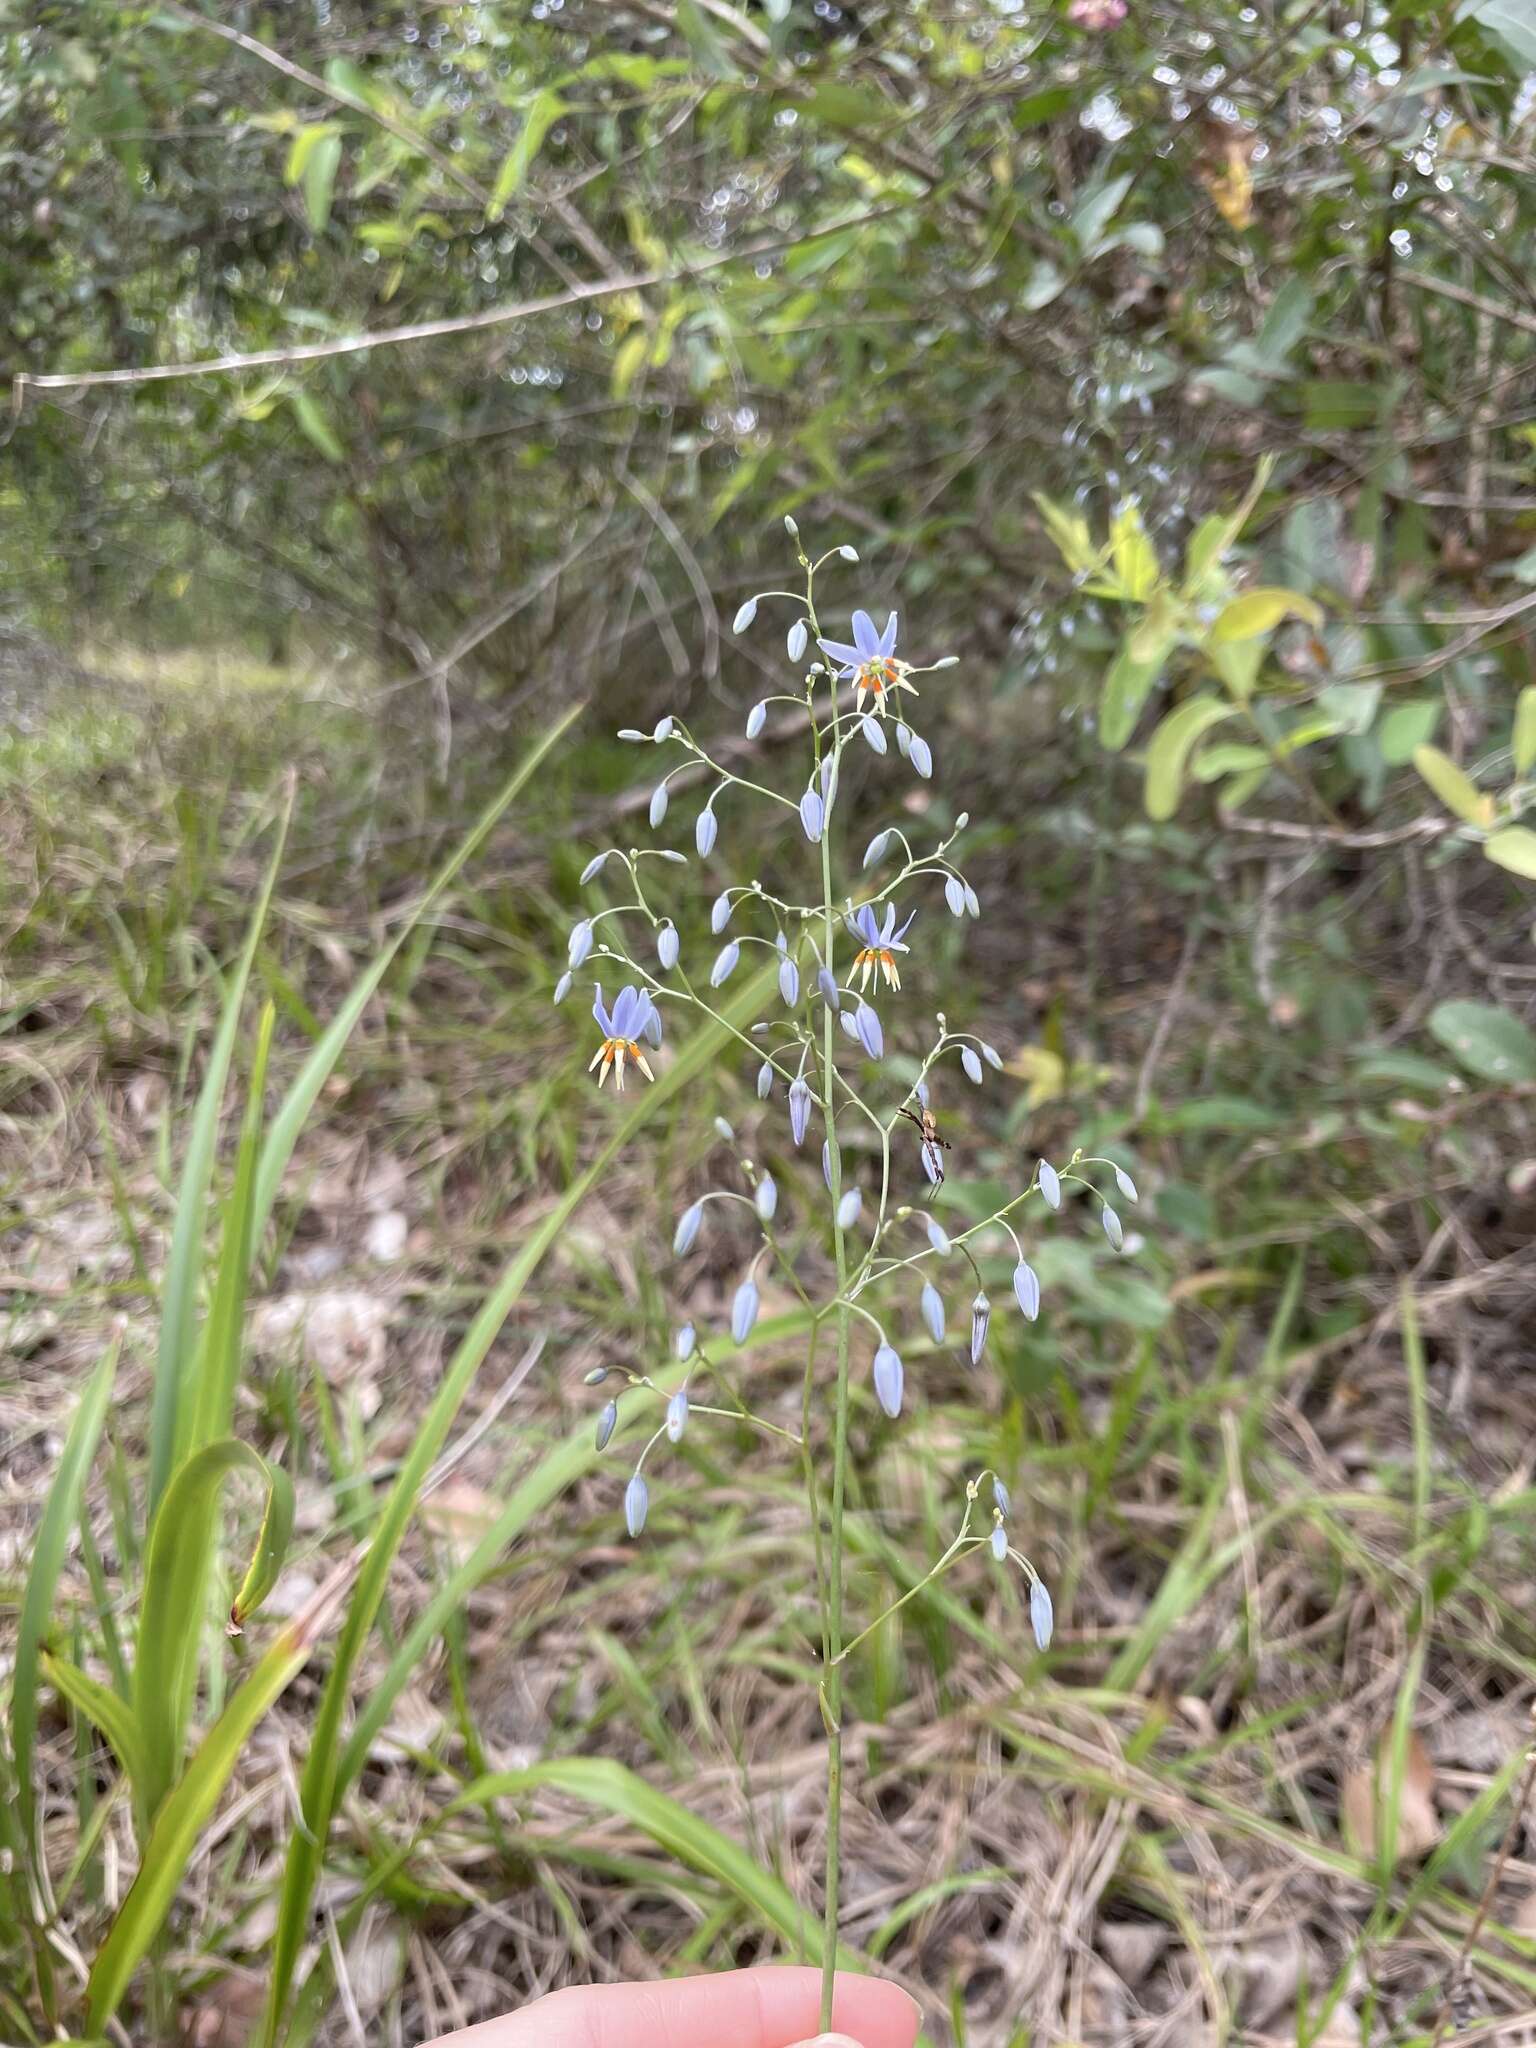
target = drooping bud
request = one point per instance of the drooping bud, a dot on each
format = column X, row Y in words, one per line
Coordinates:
column 933, row 1311
column 563, row 986
column 683, row 1342
column 745, row 616
column 1026, row 1286
column 999, row 1540
column 579, row 944
column 660, row 798
column 1003, row 1498
column 607, row 1423
column 921, row 756
column 848, row 1209
column 1042, row 1616
column 1113, row 1228
column 938, row 1237
column 813, row 815
column 637, row 1504
column 767, row 1197
column 1050, row 1184
column 757, row 718
column 686, row 1235
column 954, row 895
column 799, row 1109
column 789, row 983
column 871, row 1037
column 889, row 1380
column 593, row 867
column 677, row 1416
column 705, row 831
column 765, row 1081
column 668, row 946
column 720, row 912
column 971, row 1064
column 795, row 640
column 725, row 963
column 744, row 1310
column 981, row 1320
column 831, row 995
column 876, row 848
column 1125, row 1184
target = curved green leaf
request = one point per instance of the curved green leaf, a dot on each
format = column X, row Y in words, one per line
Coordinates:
column 1513, row 848
column 1130, row 681
column 1168, row 751
column 175, row 1575
column 1260, row 611
column 1454, row 787
column 105, row 1710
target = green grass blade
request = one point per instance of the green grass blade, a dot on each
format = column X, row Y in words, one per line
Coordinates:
column 60, row 1514
column 322, row 1782
column 302, row 1095
column 611, row 1787
column 175, row 1575
column 190, row 1803
column 210, row 1412
column 105, row 1710
column 184, row 1264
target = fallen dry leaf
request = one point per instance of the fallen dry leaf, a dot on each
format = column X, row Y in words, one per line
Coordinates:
column 1363, row 1797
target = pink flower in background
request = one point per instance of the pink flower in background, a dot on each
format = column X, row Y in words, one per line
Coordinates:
column 1098, row 14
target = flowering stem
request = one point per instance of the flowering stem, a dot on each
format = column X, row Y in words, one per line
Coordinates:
column 833, row 1682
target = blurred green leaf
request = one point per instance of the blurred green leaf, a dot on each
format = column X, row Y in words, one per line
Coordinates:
column 1168, row 751
column 1488, row 1041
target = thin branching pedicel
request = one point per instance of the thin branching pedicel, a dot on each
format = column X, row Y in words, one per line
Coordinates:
column 824, row 1049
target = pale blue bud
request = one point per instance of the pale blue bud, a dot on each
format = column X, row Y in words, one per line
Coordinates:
column 921, row 756
column 790, row 527
column 579, row 944
column 595, row 1377
column 662, row 729
column 789, row 983
column 1125, row 1184
column 637, row 1504
column 795, row 640
column 1003, row 1498
column 660, row 798
column 677, row 1416
column 999, row 1541
column 972, row 901
column 627, row 732
column 946, row 661
column 954, row 895
column 1050, row 1184
column 903, row 739
column 933, row 1311
column 704, row 833
column 873, row 732
column 1026, row 1285
column 848, row 554
column 826, row 1161
column 593, row 867
column 981, row 1319
column 668, row 946
column 876, row 848
column 813, row 815
column 757, row 718
column 871, row 1037
column 724, row 1131
column 744, row 616
column 607, row 1423
column 799, row 1109
column 971, row 1064
column 889, row 1380
column 720, row 912
column 850, row 1029
column 563, row 986
column 765, row 1081
column 848, row 1209
column 767, row 1197
column 744, row 1310
column 725, row 963
column 1113, row 1229
column 682, row 1344
column 992, row 1056
column 686, row 1235
column 831, row 995
column 938, row 1237
column 1042, row 1616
